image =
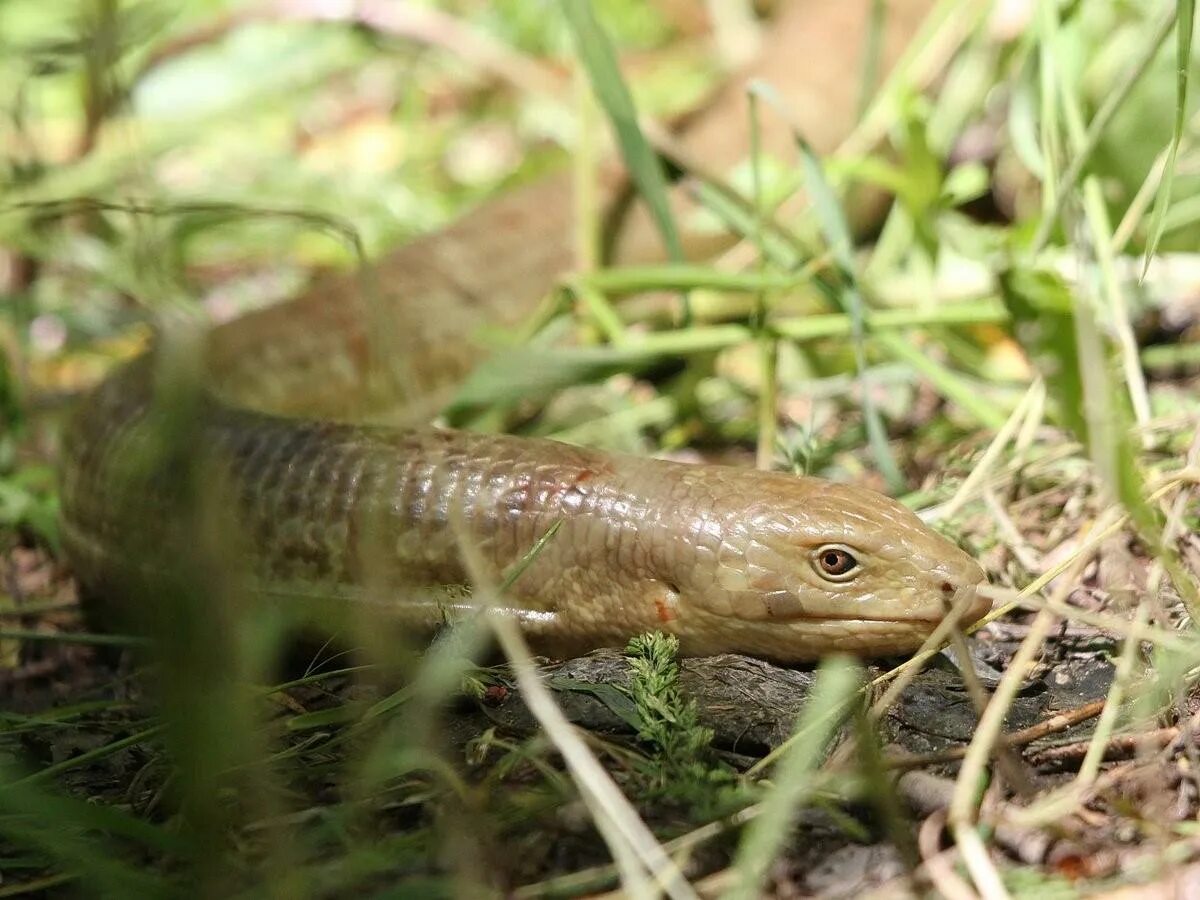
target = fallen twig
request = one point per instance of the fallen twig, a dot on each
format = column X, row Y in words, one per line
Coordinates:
column 1121, row 746
column 1056, row 723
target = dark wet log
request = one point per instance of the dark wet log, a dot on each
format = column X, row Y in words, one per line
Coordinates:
column 752, row 705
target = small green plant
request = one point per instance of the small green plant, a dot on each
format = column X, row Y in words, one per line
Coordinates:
column 683, row 768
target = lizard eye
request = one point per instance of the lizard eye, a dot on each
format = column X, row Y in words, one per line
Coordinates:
column 835, row 563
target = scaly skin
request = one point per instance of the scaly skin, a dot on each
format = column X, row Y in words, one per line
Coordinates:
column 722, row 557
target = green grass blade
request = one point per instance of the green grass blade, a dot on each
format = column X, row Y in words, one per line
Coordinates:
column 1065, row 343
column 599, row 59
column 872, row 55
column 1113, row 102
column 837, row 235
column 837, row 682
column 1050, row 137
column 82, row 839
column 1183, row 31
column 623, row 280
column 91, row 756
column 73, row 637
column 947, row 382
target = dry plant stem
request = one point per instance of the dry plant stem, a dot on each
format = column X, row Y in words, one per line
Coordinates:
column 630, row 840
column 1099, row 125
column 1033, row 421
column 1054, row 724
column 681, row 846
column 1029, row 558
column 1187, row 733
column 1174, row 526
column 1108, row 524
column 1116, row 695
column 1121, row 628
column 932, row 645
column 937, row 862
column 927, row 794
column 1008, row 760
column 987, row 462
column 962, row 810
column 979, row 864
column 906, row 672
column 1064, row 801
column 623, row 829
column 1120, row 744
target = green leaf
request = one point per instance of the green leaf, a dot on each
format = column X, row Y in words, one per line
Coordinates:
column 964, row 183
column 837, row 236
column 325, row 718
column 1043, row 324
column 618, row 702
column 837, row 682
column 522, row 373
column 600, row 61
column 1183, row 30
column 1083, row 379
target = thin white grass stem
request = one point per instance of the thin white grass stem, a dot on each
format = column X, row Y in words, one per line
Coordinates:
column 594, row 782
column 1096, row 214
column 1063, row 801
column 962, row 809
column 584, row 172
column 932, row 645
column 1006, row 757
column 979, row 864
column 1121, row 627
column 1136, row 211
column 990, row 457
column 633, row 876
column 1034, row 419
column 938, row 865
column 623, row 826
column 1103, row 118
column 905, row 674
column 1029, row 558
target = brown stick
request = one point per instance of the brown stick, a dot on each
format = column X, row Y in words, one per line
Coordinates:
column 1056, row 723
column 1120, row 746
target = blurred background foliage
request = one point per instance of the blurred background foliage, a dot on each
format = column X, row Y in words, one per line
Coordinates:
column 391, row 130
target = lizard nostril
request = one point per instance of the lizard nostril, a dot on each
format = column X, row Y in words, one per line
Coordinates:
column 947, row 587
